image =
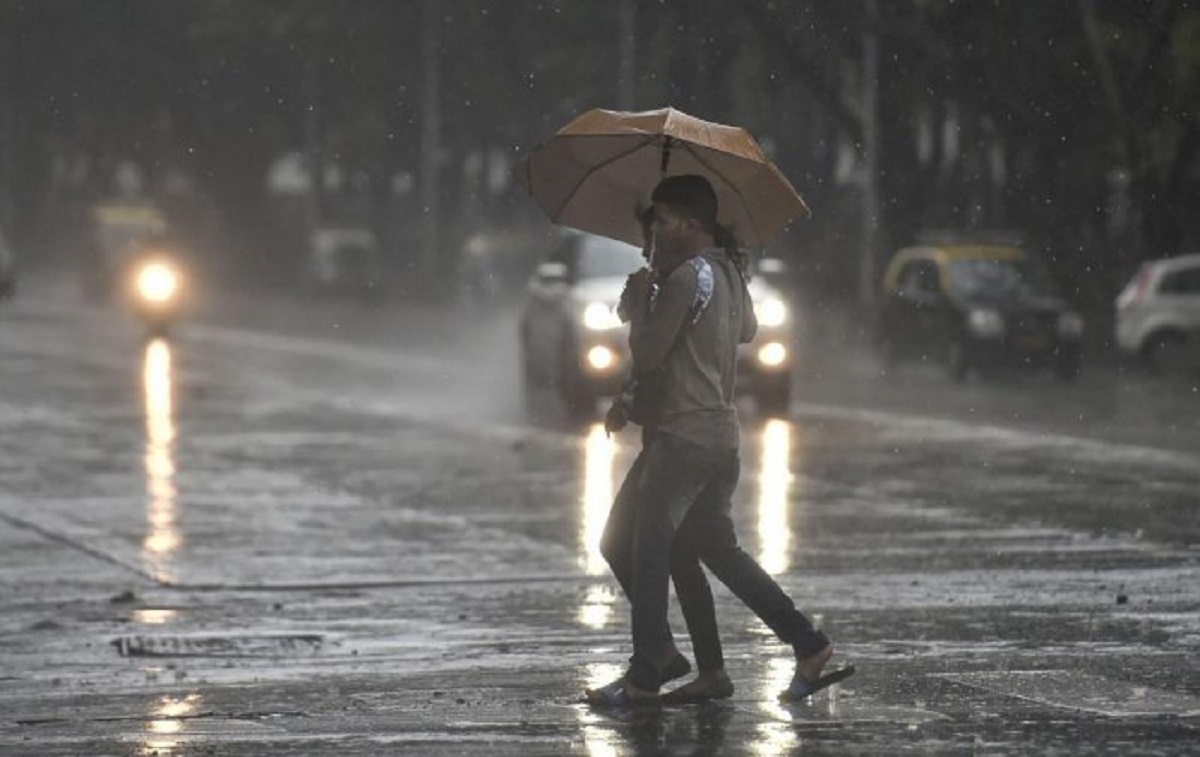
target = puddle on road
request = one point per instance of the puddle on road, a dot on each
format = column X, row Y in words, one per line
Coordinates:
column 1076, row 691
column 154, row 616
column 716, row 728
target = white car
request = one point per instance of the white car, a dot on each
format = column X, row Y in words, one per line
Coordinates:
column 1158, row 314
column 572, row 341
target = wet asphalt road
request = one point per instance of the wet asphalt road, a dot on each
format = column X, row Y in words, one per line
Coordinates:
column 339, row 530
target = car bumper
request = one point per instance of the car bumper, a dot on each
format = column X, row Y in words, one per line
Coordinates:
column 604, row 361
column 1130, row 333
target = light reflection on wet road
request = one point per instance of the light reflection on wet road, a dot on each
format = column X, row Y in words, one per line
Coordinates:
column 163, row 536
column 443, row 554
column 166, row 733
column 600, row 451
column 775, row 478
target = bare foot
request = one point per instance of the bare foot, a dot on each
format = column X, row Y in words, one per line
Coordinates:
column 810, row 667
column 706, row 686
column 808, row 679
column 637, row 694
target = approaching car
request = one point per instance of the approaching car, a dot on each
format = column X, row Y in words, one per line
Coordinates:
column 8, row 270
column 765, row 365
column 1158, row 314
column 976, row 307
column 572, row 341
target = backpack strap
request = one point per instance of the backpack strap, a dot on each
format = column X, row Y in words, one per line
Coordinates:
column 704, row 288
column 704, row 291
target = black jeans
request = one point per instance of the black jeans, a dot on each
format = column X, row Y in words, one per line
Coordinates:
column 681, row 496
column 691, row 584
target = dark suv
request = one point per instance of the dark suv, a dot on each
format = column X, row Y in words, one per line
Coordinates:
column 975, row 307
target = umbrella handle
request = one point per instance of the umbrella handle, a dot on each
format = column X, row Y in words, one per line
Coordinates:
column 665, row 161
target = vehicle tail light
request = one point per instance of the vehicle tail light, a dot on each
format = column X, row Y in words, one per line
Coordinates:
column 1137, row 289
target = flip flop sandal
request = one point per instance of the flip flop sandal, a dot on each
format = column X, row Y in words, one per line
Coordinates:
column 616, row 696
column 802, row 688
column 696, row 695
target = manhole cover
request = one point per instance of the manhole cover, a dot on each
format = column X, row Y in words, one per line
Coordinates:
column 271, row 645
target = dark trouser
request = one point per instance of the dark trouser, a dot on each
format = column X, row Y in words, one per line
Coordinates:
column 682, row 488
column 691, row 585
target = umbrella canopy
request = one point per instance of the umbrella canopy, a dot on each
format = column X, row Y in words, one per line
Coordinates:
column 596, row 171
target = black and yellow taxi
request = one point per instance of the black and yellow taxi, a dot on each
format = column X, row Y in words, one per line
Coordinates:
column 132, row 258
column 976, row 307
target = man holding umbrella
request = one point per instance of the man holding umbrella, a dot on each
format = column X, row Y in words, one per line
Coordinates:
column 685, row 329
column 691, row 334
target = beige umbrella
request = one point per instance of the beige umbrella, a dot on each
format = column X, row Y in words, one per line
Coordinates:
column 596, row 171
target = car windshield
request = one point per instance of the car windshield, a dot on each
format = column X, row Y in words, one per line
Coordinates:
column 600, row 257
column 120, row 237
column 999, row 278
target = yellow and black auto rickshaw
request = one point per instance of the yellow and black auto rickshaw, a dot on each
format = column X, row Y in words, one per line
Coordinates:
column 130, row 258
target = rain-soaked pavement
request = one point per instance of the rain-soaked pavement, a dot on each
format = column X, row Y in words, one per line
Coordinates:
column 337, row 530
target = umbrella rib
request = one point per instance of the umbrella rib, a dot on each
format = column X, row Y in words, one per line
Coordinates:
column 579, row 185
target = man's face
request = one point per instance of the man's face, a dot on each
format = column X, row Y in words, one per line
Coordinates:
column 670, row 233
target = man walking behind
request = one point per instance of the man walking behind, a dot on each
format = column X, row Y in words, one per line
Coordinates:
column 690, row 332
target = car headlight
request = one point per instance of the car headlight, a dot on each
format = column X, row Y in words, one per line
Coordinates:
column 600, row 317
column 770, row 312
column 601, row 358
column 772, row 355
column 157, row 282
column 1070, row 325
column 985, row 323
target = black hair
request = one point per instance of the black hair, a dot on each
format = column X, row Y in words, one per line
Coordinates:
column 692, row 196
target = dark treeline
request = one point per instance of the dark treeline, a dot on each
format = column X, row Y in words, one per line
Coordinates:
column 1072, row 122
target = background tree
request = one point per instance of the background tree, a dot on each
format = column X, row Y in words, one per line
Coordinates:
column 1072, row 121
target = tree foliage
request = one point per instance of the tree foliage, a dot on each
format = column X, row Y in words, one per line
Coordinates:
column 1073, row 121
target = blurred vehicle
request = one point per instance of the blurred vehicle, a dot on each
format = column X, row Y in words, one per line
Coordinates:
column 571, row 339
column 344, row 261
column 1158, row 314
column 974, row 307
column 132, row 258
column 8, row 269
column 155, row 289
column 765, row 365
column 119, row 233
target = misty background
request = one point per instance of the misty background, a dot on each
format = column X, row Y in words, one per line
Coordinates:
column 1072, row 123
